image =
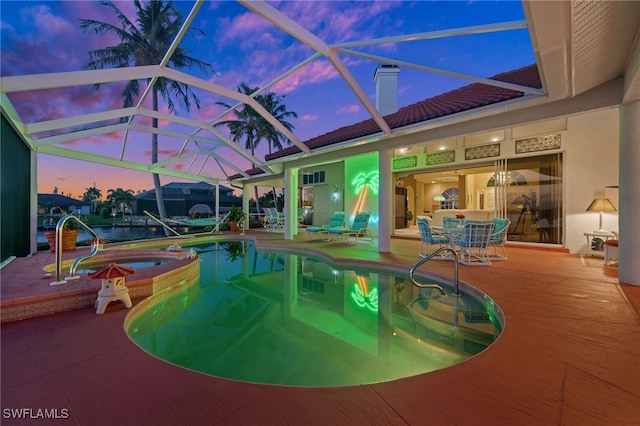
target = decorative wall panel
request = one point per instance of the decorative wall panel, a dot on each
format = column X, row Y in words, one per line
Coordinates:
column 441, row 157
column 542, row 143
column 483, row 151
column 404, row 162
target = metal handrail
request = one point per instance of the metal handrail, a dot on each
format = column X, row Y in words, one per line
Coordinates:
column 74, row 266
column 162, row 223
column 456, row 282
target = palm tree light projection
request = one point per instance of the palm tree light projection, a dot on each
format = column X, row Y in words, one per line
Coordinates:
column 364, row 297
column 363, row 183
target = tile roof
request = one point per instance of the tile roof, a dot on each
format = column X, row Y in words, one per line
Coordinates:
column 59, row 200
column 184, row 188
column 465, row 98
column 112, row 270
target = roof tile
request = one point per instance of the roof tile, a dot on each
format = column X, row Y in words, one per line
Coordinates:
column 465, row 98
column 472, row 96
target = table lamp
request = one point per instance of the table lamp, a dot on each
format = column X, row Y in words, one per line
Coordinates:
column 601, row 205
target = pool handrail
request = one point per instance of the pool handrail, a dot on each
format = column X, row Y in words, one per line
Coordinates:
column 74, row 266
column 456, row 282
column 162, row 223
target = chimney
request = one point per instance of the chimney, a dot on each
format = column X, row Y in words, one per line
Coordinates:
column 386, row 80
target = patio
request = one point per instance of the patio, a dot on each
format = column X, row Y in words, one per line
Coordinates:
column 569, row 354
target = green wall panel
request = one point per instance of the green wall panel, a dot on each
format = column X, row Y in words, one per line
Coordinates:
column 15, row 186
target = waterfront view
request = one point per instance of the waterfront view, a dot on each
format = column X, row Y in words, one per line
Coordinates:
column 119, row 233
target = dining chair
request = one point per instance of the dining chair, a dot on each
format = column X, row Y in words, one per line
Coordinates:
column 498, row 237
column 473, row 243
column 428, row 237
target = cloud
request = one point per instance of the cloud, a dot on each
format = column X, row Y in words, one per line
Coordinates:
column 316, row 72
column 62, row 40
column 308, row 117
column 349, row 109
column 339, row 22
column 243, row 26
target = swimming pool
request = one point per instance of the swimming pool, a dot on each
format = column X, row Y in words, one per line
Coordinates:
column 292, row 319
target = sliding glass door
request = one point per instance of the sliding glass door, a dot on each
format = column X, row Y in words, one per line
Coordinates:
column 528, row 191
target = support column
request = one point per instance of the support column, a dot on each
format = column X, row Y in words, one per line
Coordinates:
column 246, row 190
column 629, row 196
column 290, row 203
column 217, row 204
column 385, row 199
column 33, row 214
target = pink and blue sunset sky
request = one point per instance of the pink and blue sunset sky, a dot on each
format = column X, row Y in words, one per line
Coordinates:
column 44, row 37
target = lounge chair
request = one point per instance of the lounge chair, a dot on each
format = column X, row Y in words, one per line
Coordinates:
column 499, row 237
column 359, row 229
column 198, row 222
column 274, row 219
column 214, row 222
column 473, row 243
column 428, row 237
column 322, row 232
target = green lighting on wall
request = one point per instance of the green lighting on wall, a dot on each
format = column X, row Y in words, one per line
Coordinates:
column 363, row 183
column 364, row 180
column 368, row 301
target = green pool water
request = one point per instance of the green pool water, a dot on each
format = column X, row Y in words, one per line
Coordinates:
column 288, row 319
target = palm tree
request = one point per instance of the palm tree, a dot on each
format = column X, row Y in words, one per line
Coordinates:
column 145, row 42
column 92, row 195
column 272, row 102
column 120, row 198
column 244, row 126
column 253, row 128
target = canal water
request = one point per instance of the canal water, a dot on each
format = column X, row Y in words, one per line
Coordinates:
column 120, row 233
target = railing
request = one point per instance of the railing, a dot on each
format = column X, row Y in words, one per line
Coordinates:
column 456, row 283
column 74, row 266
column 162, row 223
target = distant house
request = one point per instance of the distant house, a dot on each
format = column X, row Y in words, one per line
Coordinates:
column 58, row 205
column 179, row 197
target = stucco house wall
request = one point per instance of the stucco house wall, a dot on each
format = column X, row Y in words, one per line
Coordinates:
column 591, row 164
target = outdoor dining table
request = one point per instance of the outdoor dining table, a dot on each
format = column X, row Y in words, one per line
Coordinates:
column 451, row 231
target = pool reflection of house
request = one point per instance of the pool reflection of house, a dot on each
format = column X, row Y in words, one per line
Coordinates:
column 180, row 197
column 334, row 304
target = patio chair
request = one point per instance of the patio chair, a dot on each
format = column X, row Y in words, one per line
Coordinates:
column 499, row 237
column 428, row 237
column 359, row 229
column 271, row 218
column 473, row 243
column 279, row 219
column 336, row 221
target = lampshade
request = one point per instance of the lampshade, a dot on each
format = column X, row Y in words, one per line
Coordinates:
column 601, row 205
column 438, row 197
